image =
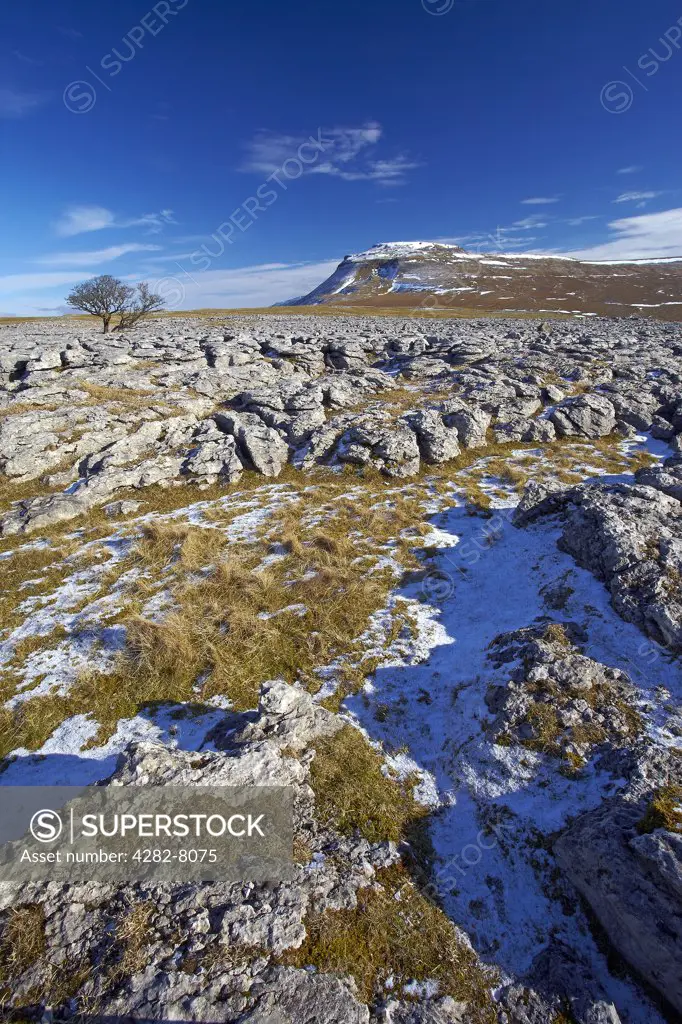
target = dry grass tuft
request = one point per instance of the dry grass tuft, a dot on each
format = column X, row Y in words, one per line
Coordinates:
column 132, row 939
column 230, row 628
column 131, row 398
column 23, row 940
column 395, row 931
column 363, row 800
column 664, row 811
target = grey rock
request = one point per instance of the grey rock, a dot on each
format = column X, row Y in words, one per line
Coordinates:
column 437, row 443
column 666, row 478
column 470, row 422
column 539, row 499
column 288, row 996
column 631, row 897
column 259, row 446
column 523, row 429
column 431, row 1011
column 584, row 416
column 215, row 459
column 122, row 508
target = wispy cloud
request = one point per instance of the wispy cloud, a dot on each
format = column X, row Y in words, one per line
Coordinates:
column 260, row 285
column 636, row 197
column 382, row 172
column 629, row 170
column 94, row 257
column 502, row 239
column 15, row 104
column 154, row 221
column 69, row 33
column 13, row 284
column 647, row 236
column 78, row 220
column 576, row 221
column 25, row 59
column 348, row 155
column 528, row 223
column 540, row 200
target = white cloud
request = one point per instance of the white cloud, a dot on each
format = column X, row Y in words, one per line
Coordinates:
column 383, row 172
column 176, row 257
column 499, row 240
column 635, row 197
column 646, row 236
column 17, row 104
column 629, row 170
column 540, row 200
column 15, row 284
column 528, row 223
column 78, row 220
column 95, row 256
column 575, row 221
column 345, row 155
column 260, row 285
column 267, row 151
column 153, row 221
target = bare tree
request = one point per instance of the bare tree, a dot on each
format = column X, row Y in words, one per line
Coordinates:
column 142, row 303
column 107, row 297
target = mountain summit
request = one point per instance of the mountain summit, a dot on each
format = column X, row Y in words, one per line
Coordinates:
column 433, row 275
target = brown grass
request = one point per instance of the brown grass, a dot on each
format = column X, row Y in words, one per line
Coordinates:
column 22, row 945
column 23, row 940
column 396, row 931
column 663, row 811
column 363, row 800
column 132, row 939
column 229, row 626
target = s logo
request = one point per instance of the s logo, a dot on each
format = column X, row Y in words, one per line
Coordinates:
column 46, row 826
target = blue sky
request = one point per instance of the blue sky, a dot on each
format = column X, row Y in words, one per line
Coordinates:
column 164, row 141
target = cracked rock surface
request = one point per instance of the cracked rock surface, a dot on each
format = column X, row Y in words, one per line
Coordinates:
column 519, row 677
column 160, row 404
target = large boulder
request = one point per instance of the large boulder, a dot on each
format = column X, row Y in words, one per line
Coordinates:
column 523, row 429
column 630, row 537
column 259, row 446
column 590, row 416
column 437, row 443
column 633, row 884
column 375, row 441
column 666, row 478
column 215, row 459
column 471, row 422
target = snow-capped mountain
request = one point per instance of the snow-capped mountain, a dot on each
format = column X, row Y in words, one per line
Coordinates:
column 432, row 275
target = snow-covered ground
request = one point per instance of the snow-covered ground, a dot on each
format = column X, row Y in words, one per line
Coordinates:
column 433, row 708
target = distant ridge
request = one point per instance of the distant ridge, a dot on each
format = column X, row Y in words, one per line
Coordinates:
column 436, row 275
